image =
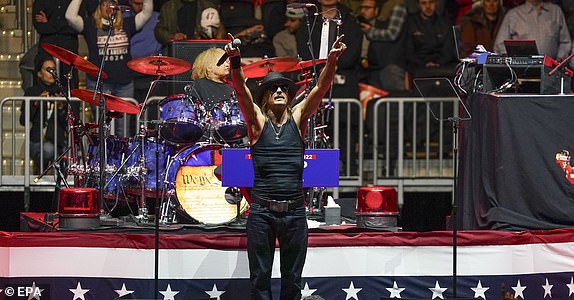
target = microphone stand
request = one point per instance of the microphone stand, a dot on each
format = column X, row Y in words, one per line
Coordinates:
column 455, row 121
column 102, row 105
column 73, row 122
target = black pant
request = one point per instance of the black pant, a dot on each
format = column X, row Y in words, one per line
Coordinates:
column 263, row 228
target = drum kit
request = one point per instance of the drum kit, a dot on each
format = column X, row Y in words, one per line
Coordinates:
column 175, row 160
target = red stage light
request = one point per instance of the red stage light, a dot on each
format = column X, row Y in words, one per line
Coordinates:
column 79, row 208
column 377, row 207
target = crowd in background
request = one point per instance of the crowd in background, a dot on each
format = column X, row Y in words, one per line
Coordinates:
column 390, row 42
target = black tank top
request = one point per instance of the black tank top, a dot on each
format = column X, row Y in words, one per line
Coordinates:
column 278, row 163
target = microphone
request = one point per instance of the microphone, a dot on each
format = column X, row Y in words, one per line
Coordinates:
column 51, row 71
column 300, row 5
column 236, row 43
column 188, row 88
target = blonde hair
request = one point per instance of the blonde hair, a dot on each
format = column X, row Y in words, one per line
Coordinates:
column 118, row 20
column 204, row 61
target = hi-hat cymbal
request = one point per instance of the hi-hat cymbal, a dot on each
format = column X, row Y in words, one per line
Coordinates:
column 73, row 59
column 264, row 66
column 112, row 102
column 159, row 65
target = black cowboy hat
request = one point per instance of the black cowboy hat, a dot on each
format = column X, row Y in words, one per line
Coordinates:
column 273, row 79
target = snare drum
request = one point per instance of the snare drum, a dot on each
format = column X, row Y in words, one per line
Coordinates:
column 228, row 120
column 199, row 195
column 182, row 115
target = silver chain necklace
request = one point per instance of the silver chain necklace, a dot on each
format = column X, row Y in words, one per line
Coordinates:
column 277, row 133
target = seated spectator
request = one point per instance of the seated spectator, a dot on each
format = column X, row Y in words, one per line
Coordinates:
column 386, row 36
column 42, row 116
column 541, row 21
column 480, row 25
column 430, row 47
column 284, row 41
column 188, row 19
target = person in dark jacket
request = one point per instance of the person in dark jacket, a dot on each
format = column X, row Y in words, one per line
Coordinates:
column 430, row 47
column 50, row 22
column 44, row 114
column 480, row 25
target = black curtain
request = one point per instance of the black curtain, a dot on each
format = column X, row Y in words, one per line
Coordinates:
column 508, row 177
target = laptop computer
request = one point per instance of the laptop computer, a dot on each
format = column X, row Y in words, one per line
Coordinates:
column 521, row 47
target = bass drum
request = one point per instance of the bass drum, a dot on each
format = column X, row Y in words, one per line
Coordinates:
column 199, row 195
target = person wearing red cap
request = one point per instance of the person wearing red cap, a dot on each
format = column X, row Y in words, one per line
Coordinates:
column 276, row 135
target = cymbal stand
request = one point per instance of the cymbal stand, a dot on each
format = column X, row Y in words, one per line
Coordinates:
column 316, row 139
column 104, row 128
column 142, row 210
column 149, row 91
column 168, row 206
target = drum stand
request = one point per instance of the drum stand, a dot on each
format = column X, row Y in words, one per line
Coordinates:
column 233, row 196
column 143, row 215
column 317, row 139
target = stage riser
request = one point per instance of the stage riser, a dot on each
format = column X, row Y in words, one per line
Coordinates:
column 368, row 264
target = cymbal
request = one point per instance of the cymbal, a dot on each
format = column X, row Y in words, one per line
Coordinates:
column 309, row 63
column 112, row 102
column 159, row 65
column 73, row 59
column 264, row 66
column 306, row 64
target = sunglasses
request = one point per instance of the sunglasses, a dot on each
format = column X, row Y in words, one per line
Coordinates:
column 283, row 87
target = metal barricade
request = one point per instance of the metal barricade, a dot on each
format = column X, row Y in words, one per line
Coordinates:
column 411, row 150
column 15, row 171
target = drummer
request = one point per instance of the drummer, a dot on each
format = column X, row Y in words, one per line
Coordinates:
column 210, row 80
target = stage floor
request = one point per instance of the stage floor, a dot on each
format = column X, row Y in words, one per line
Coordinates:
column 342, row 263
